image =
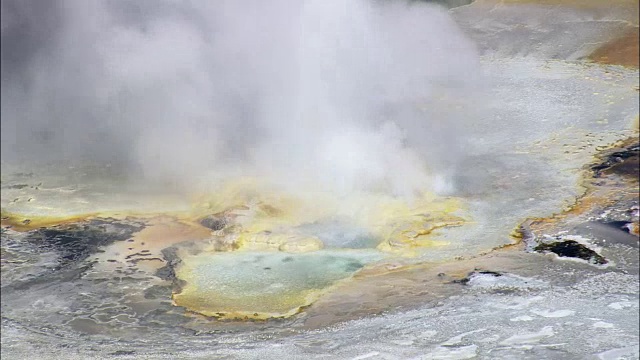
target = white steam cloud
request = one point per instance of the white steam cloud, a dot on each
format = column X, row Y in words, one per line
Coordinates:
column 334, row 94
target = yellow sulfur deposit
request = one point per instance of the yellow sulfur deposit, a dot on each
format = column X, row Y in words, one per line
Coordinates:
column 264, row 219
column 288, row 251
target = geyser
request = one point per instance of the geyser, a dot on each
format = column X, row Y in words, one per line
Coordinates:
column 164, row 93
column 284, row 116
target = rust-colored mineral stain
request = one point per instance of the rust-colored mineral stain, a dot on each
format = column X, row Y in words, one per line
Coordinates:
column 593, row 199
column 634, row 228
column 621, row 51
column 23, row 223
column 163, row 231
column 160, row 232
column 376, row 290
column 600, row 193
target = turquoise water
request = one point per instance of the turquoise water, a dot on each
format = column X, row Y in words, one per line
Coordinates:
column 247, row 274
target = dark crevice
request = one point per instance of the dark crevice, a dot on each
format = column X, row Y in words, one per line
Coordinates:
column 625, row 162
column 572, row 249
column 465, row 280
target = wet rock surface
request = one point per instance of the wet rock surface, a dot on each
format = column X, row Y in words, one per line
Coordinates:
column 76, row 242
column 625, row 162
column 572, row 249
column 58, row 253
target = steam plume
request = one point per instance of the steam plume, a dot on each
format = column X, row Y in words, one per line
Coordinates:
column 338, row 95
